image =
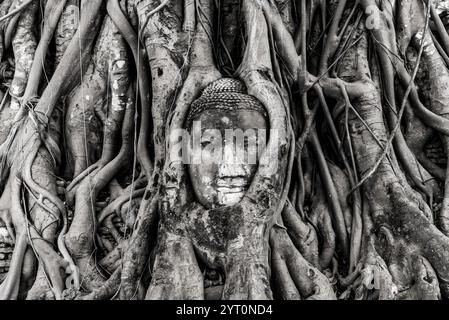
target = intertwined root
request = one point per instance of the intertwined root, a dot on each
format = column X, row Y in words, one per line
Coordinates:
column 368, row 225
column 24, row 45
column 295, row 277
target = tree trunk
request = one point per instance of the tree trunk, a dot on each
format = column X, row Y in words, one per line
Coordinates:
column 349, row 198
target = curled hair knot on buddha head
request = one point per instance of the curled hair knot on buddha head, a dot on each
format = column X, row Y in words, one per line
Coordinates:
column 226, row 94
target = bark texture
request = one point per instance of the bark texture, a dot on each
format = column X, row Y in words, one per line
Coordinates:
column 350, row 201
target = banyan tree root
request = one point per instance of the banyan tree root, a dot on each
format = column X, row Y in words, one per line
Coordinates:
column 36, row 210
column 80, row 237
column 67, row 25
column 295, row 277
column 393, row 204
column 167, row 53
column 246, row 263
column 24, row 45
column 354, row 208
column 437, row 93
column 88, row 107
column 201, row 73
column 357, row 88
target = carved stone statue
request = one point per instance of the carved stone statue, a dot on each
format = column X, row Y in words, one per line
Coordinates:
column 220, row 230
column 225, row 107
column 209, row 225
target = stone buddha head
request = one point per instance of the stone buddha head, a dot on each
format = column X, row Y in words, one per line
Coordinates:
column 229, row 131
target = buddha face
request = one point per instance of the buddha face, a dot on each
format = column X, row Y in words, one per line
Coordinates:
column 229, row 159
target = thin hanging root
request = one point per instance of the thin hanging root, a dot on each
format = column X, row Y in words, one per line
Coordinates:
column 74, row 60
column 80, row 121
column 9, row 288
column 338, row 221
column 43, row 195
column 80, row 237
column 134, row 258
column 332, row 39
column 282, row 39
column 5, row 7
column 202, row 71
column 24, row 46
column 92, row 88
column 16, row 10
column 443, row 219
column 356, row 229
column 441, row 51
column 88, row 171
column 338, row 215
column 66, row 73
column 112, row 229
column 108, row 290
column 113, row 257
column 55, row 267
column 66, row 28
column 144, row 83
column 437, row 75
column 295, row 271
column 302, row 234
column 117, row 203
column 356, row 225
column 387, row 52
column 440, row 26
column 189, row 16
column 9, row 32
column 410, row 90
column 53, row 11
column 285, row 286
column 431, row 119
column 284, row 194
column 148, row 16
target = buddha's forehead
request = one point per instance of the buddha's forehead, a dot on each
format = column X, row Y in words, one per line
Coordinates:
column 232, row 119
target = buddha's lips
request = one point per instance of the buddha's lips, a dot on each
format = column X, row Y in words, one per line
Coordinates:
column 232, row 183
column 232, row 189
column 232, row 186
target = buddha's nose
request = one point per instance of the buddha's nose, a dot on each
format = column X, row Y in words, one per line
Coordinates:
column 228, row 170
column 231, row 165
